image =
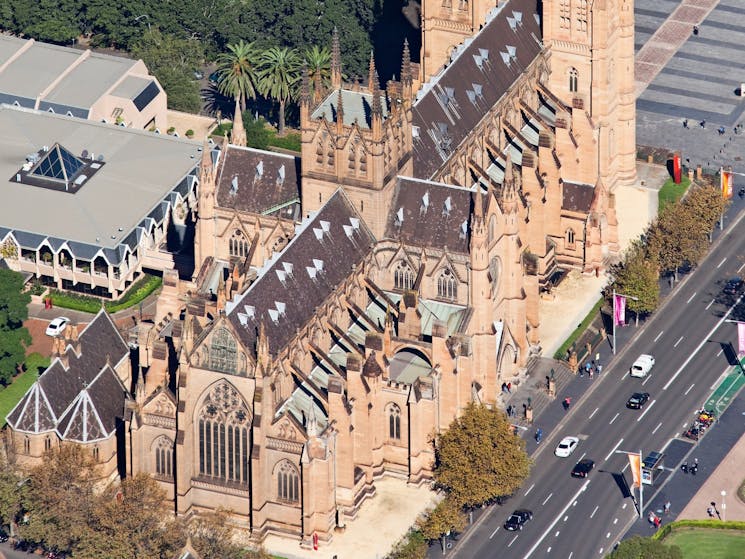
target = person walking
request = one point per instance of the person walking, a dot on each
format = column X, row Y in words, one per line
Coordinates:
column 710, row 512
column 667, row 507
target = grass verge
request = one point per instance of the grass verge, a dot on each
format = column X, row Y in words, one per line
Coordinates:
column 671, row 192
column 574, row 336
column 696, row 543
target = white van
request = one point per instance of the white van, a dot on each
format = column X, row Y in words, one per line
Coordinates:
column 642, row 366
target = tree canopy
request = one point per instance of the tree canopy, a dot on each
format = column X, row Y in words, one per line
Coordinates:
column 645, row 548
column 478, row 458
column 14, row 338
column 636, row 276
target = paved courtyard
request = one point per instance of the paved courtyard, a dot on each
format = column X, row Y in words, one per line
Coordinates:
column 681, row 75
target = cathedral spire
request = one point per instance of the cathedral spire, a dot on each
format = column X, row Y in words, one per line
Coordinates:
column 206, row 168
column 238, row 133
column 335, row 60
column 304, row 84
column 372, row 74
column 140, row 387
column 406, row 63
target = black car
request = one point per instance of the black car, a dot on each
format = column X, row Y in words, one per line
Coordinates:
column 583, row 467
column 517, row 519
column 637, row 400
column 733, row 286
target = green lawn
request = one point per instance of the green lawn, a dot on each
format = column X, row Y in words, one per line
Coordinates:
column 671, row 192
column 13, row 393
column 708, row 544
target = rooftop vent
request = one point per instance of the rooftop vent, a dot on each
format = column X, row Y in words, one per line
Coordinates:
column 259, row 169
column 512, row 51
column 425, row 203
column 518, row 17
column 274, row 315
column 288, row 268
column 348, row 230
column 400, row 217
column 478, row 89
column 282, row 275
column 479, row 61
column 355, row 222
column 280, row 307
column 234, row 185
column 84, row 154
column 484, row 54
column 318, row 264
column 281, row 175
column 463, row 229
column 250, row 310
column 447, row 206
column 318, row 233
column 325, row 225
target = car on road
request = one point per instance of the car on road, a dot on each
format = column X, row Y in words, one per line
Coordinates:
column 583, row 467
column 637, row 400
column 733, row 286
column 517, row 519
column 566, row 446
column 642, row 366
column 57, row 326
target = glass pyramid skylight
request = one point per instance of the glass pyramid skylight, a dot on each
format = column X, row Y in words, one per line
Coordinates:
column 58, row 164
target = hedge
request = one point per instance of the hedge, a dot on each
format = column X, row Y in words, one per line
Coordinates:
column 711, row 524
column 136, row 293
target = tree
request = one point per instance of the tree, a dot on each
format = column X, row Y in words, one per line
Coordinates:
column 58, row 500
column 676, row 238
column 479, row 459
column 445, row 518
column 172, row 60
column 706, row 205
column 212, row 537
column 645, row 548
column 318, row 62
column 131, row 522
column 278, row 76
column 411, row 546
column 237, row 72
column 637, row 276
column 10, row 494
column 257, row 133
column 14, row 338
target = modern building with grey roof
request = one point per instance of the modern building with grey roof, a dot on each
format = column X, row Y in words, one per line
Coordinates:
column 83, row 84
column 87, row 205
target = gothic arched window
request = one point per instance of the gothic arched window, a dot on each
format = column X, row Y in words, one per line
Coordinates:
column 223, row 435
column 447, row 285
column 238, row 244
column 163, row 451
column 403, row 276
column 570, row 237
column 492, row 228
column 47, row 444
column 223, row 352
column 573, row 79
column 288, row 482
column 394, row 422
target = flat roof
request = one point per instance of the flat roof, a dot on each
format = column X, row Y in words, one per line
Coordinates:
column 35, row 69
column 141, row 169
column 89, row 81
column 130, row 87
column 9, row 45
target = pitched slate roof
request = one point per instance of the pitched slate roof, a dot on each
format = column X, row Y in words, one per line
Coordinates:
column 430, row 214
column 296, row 281
column 452, row 103
column 577, row 197
column 83, row 401
column 259, row 181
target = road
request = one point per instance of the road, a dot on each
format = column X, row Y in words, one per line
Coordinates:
column 578, row 519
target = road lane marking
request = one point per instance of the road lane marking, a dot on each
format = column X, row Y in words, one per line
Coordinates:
column 607, row 535
column 614, row 418
column 678, row 342
column 513, row 541
column 624, row 468
column 719, row 352
column 547, row 498
column 707, row 337
column 691, row 298
column 658, row 336
column 740, row 268
column 658, row 426
column 601, row 551
column 614, row 449
column 615, row 521
column 593, row 413
column 566, row 518
column 689, row 389
column 494, row 532
column 570, row 554
column 720, row 378
column 581, row 457
column 722, row 262
column 624, row 506
column 710, row 304
column 595, row 510
column 556, row 520
column 646, row 380
column 556, row 535
column 529, row 490
column 638, row 419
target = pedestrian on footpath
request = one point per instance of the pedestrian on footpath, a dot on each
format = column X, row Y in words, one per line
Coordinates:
column 667, row 507
column 600, row 369
column 509, row 387
column 710, row 512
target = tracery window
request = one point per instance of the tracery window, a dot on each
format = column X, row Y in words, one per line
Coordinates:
column 223, row 435
column 288, row 482
column 403, row 276
column 163, row 450
column 447, row 285
column 238, row 244
column 573, row 79
column 223, row 352
column 394, row 422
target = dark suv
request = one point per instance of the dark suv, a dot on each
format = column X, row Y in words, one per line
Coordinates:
column 637, row 400
column 517, row 519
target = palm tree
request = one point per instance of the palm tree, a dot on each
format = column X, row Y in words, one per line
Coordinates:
column 278, row 74
column 319, row 69
column 237, row 72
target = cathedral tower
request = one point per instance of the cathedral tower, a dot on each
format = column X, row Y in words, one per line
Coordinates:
column 204, row 240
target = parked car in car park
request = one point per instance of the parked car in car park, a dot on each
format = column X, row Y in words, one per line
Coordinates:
column 57, row 326
column 642, row 366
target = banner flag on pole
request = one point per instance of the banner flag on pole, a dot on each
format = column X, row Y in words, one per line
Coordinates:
column 726, row 180
column 619, row 310
column 741, row 338
column 635, row 461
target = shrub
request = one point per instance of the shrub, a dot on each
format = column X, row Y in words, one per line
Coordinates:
column 189, row 133
column 171, row 130
column 75, row 302
column 290, row 142
column 136, row 293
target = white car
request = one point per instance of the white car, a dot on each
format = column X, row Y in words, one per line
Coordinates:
column 57, row 326
column 642, row 366
column 566, row 446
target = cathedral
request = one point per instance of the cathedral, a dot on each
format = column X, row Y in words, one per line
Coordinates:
column 347, row 304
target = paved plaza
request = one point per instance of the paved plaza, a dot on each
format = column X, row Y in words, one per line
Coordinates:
column 695, row 77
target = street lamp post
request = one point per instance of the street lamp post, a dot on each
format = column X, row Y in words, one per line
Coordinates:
column 724, row 506
column 614, row 314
